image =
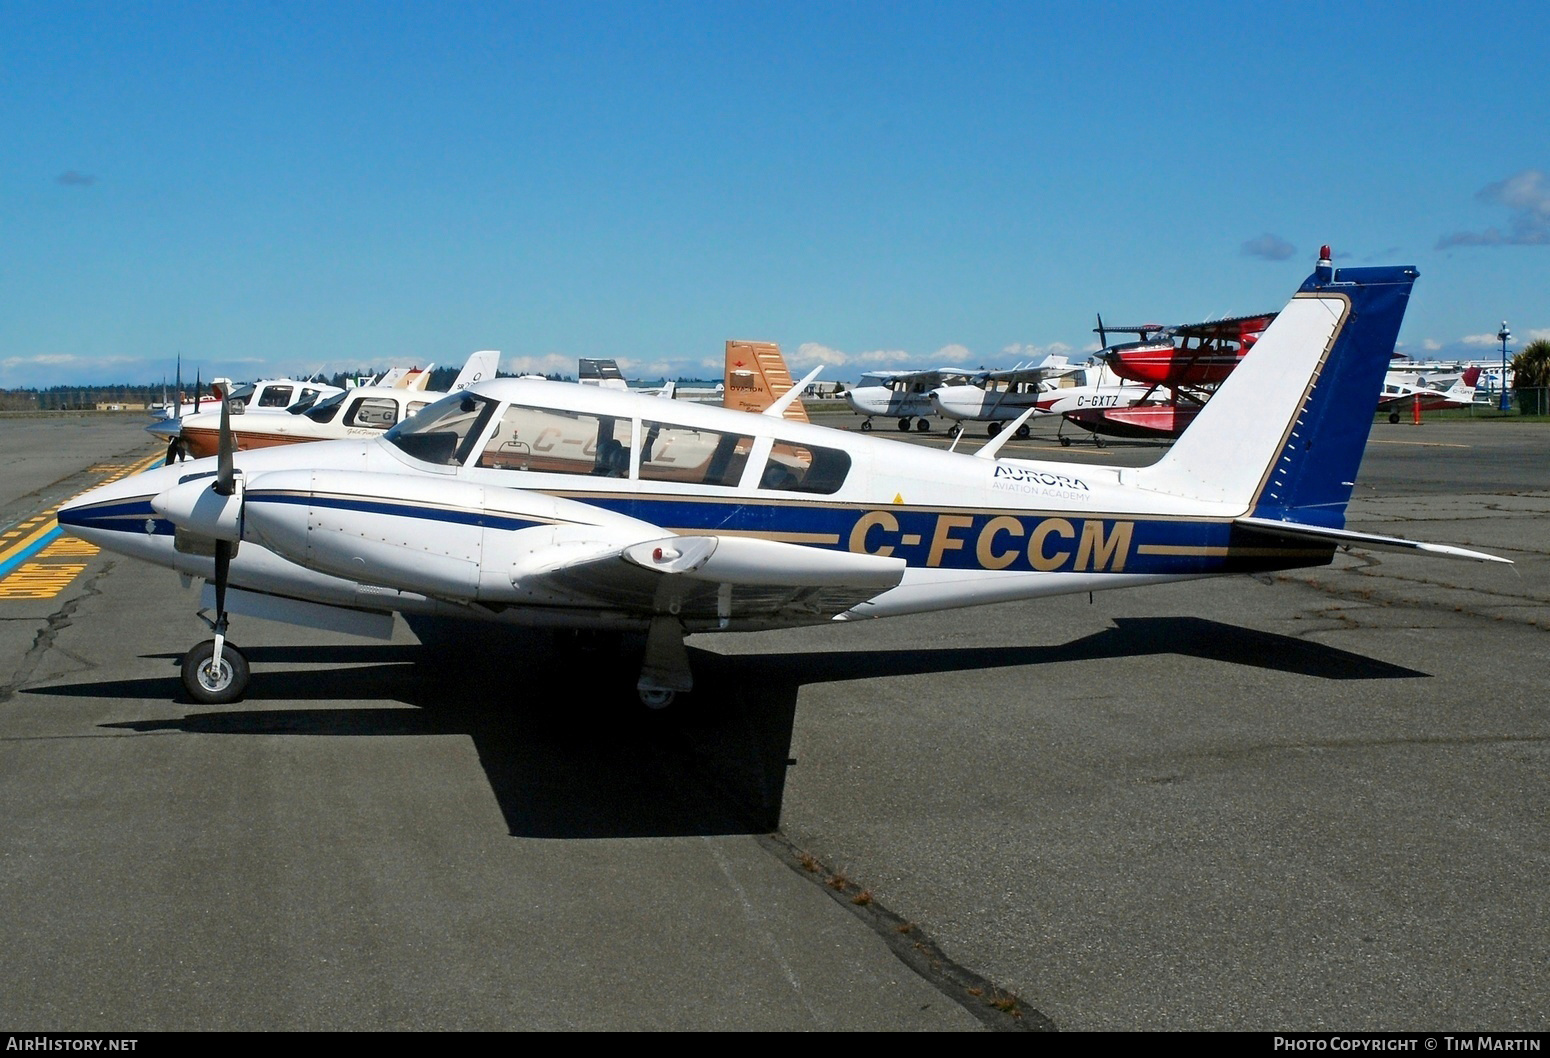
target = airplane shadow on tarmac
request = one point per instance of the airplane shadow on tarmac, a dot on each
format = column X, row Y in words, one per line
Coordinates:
column 568, row 752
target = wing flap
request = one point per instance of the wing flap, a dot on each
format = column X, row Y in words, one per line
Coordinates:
column 717, row 577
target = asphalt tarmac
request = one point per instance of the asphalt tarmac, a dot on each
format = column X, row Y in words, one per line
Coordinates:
column 1317, row 801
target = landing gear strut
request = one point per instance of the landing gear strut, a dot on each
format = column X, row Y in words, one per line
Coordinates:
column 214, row 672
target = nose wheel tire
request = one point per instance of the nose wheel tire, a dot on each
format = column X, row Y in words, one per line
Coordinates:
column 214, row 684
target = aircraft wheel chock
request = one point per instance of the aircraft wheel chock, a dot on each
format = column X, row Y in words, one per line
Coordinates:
column 210, row 684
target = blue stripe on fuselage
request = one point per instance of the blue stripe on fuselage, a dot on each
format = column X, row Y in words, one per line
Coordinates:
column 945, row 538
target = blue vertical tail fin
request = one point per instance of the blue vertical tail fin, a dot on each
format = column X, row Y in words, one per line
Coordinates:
column 1283, row 437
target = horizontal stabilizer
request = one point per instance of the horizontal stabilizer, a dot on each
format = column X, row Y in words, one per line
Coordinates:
column 1347, row 538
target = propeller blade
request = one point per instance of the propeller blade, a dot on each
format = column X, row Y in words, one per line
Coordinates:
column 1103, row 336
column 225, row 477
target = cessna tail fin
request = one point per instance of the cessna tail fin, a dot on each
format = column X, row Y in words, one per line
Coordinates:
column 1283, row 437
column 480, row 366
column 756, row 376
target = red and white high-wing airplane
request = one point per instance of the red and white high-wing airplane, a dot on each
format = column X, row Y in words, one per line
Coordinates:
column 548, row 504
column 1178, row 368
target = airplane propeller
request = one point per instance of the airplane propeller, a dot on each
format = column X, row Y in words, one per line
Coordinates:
column 214, row 671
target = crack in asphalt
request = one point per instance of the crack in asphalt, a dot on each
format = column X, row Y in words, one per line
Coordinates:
column 55, row 623
column 994, row 1007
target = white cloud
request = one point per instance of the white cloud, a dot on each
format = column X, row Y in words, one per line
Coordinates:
column 547, row 364
column 1269, row 247
column 1526, row 197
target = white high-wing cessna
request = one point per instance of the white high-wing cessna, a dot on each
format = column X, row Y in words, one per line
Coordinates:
column 547, row 504
column 903, row 395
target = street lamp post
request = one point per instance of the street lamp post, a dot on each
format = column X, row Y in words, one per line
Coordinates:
column 1505, row 335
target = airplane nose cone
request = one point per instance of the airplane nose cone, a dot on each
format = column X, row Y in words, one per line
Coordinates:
column 198, row 508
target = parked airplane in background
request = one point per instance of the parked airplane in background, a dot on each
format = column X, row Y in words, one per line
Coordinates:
column 757, row 378
column 754, row 376
column 1181, row 366
column 563, row 506
column 1403, row 397
column 998, row 397
column 904, row 395
column 360, row 412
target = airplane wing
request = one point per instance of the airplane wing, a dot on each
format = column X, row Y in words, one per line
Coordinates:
column 706, row 577
column 457, row 541
column 1228, row 328
column 1049, row 367
column 930, row 376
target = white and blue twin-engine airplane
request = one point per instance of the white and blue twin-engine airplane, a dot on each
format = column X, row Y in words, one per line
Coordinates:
column 550, row 504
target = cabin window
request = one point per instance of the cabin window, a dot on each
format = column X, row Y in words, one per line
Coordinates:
column 373, row 413
column 275, row 397
column 804, row 468
column 554, row 441
column 447, row 430
column 670, row 452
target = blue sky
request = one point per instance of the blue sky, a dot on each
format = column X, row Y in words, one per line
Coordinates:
column 270, row 188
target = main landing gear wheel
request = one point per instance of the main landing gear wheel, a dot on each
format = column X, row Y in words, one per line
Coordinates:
column 993, row 429
column 215, row 684
column 904, row 424
column 656, row 698
column 1023, row 432
column 1065, row 442
column 1393, row 416
column 922, row 425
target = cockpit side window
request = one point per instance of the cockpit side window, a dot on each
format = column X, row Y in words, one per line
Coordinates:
column 669, row 452
column 555, row 441
column 372, row 413
column 446, row 431
column 804, row 468
column 275, row 397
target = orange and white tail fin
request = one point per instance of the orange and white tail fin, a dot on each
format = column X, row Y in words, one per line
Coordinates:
column 756, row 376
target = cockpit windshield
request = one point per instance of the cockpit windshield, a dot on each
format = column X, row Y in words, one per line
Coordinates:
column 326, row 411
column 444, row 432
